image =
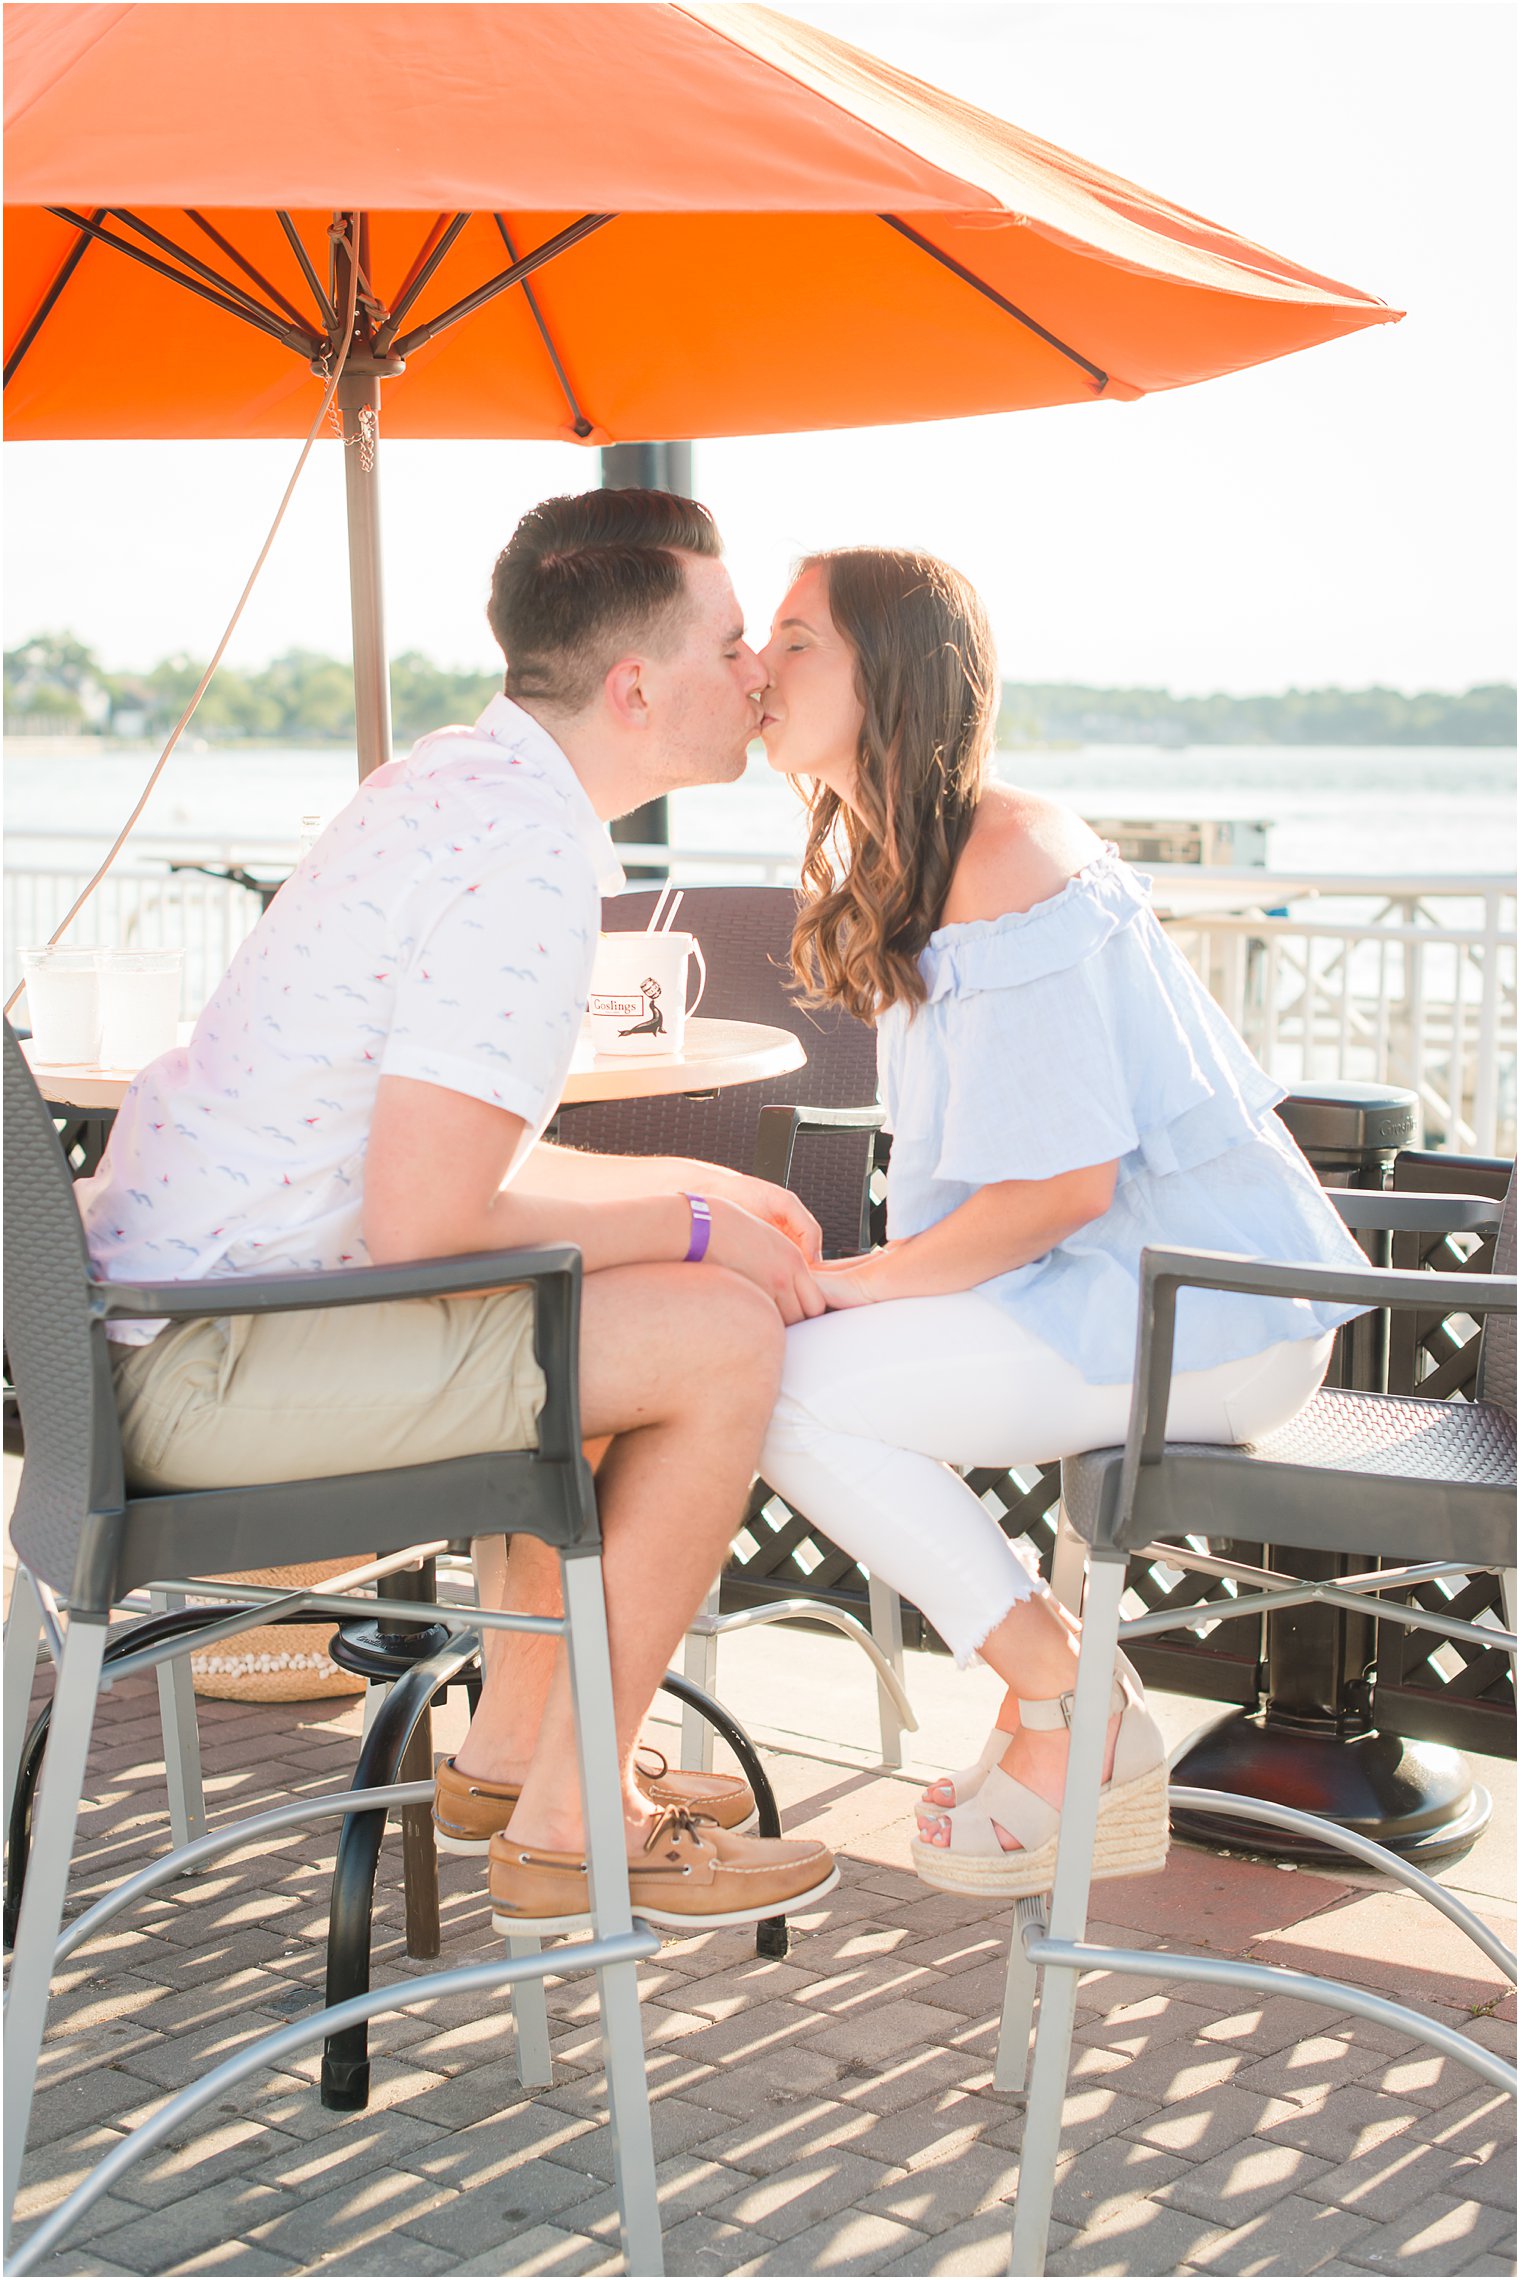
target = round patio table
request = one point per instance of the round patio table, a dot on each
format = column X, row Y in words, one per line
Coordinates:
column 717, row 1054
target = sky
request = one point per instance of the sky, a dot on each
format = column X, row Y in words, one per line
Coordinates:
column 1341, row 517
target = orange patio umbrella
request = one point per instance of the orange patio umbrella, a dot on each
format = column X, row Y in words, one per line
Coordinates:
column 592, row 222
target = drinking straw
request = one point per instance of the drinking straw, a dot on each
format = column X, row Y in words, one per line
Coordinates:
column 670, row 915
column 654, row 916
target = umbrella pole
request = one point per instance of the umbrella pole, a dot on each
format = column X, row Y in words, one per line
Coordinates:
column 359, row 404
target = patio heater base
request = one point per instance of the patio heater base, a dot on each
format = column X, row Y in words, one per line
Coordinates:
column 1416, row 1798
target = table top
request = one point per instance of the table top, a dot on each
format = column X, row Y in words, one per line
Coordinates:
column 718, row 1054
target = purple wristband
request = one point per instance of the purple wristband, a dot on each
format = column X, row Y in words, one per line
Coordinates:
column 701, row 1227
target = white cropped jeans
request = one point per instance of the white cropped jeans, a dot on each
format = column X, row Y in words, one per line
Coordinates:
column 879, row 1402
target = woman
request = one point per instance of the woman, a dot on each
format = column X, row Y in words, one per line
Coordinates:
column 1061, row 1091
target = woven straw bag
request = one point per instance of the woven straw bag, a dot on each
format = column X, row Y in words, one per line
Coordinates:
column 278, row 1662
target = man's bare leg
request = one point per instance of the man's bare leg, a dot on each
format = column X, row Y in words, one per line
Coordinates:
column 682, row 1369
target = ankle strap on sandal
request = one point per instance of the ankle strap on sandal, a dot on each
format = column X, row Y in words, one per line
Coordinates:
column 1052, row 1716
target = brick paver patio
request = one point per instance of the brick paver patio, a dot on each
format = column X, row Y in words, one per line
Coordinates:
column 832, row 2113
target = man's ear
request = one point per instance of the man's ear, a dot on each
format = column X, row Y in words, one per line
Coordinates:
column 624, row 691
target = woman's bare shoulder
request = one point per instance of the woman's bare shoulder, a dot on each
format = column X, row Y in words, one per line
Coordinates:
column 1022, row 850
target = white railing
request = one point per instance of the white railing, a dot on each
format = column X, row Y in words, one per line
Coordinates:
column 1391, row 979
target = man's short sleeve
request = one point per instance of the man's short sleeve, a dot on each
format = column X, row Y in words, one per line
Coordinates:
column 490, row 1001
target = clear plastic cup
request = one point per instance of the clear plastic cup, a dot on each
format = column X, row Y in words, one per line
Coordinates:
column 63, row 1005
column 139, row 1006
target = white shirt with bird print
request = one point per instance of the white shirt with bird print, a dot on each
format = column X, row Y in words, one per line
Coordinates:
column 442, row 928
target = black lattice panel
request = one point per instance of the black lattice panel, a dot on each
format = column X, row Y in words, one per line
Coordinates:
column 1440, row 1689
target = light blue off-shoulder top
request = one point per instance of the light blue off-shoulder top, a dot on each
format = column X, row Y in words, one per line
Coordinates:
column 1076, row 1033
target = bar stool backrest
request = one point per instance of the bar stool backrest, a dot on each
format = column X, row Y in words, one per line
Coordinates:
column 746, row 933
column 1496, row 1361
column 59, row 1358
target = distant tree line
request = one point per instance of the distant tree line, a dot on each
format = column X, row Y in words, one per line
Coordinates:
column 1061, row 713
column 54, row 682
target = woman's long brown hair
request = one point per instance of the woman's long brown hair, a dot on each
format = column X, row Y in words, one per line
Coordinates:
column 875, row 875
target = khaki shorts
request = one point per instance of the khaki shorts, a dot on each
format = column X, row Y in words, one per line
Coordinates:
column 261, row 1397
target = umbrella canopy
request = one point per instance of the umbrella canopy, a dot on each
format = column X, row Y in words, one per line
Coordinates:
column 593, row 222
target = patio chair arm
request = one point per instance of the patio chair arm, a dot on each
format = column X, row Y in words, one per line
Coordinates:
column 1164, row 1272
column 551, row 1270
column 782, row 1122
column 1375, row 1208
column 472, row 1271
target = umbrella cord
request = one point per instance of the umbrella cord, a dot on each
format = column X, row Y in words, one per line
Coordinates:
column 338, row 231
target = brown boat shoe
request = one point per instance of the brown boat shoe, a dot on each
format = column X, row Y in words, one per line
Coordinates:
column 688, row 1876
column 468, row 1812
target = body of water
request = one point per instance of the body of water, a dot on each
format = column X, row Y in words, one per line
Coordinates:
column 1331, row 808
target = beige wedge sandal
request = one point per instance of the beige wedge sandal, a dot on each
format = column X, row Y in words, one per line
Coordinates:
column 1132, row 1828
column 969, row 1779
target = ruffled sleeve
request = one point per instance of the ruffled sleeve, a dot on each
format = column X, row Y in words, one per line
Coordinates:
column 1073, row 1034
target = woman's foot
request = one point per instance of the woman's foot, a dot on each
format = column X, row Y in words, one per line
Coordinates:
column 1004, row 1841
column 1037, row 1761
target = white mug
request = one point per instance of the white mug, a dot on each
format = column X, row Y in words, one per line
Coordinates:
column 638, row 992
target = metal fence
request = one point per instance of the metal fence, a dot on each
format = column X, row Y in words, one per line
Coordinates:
column 1407, row 981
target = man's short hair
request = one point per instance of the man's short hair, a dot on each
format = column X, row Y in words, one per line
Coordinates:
column 584, row 579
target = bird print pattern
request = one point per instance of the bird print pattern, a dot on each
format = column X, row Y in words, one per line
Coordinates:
column 244, row 1149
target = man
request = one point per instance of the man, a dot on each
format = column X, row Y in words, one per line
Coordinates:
column 369, row 1083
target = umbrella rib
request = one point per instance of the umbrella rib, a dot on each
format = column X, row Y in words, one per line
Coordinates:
column 414, row 284
column 546, row 252
column 582, row 424
column 210, row 276
column 67, row 267
column 245, row 265
column 325, row 309
column 261, row 321
column 999, row 300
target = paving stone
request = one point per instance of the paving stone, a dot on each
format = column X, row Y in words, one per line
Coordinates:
column 229, row 2257
column 382, row 2140
column 782, row 2135
column 1241, row 2183
column 794, row 2200
column 884, row 2030
column 532, row 2191
column 1136, row 2236
column 1294, row 2237
column 50, row 2172
column 702, row 2245
column 106, row 2096
column 476, row 2157
column 976, row 2247
column 1108, row 2175
column 918, row 2074
column 1201, row 2127
column 1170, row 2073
column 199, row 2160
column 931, row 2128
column 186, row 2229
column 939, row 2193
column 1423, row 2078
column 544, row 2249
column 1394, row 2175
column 1265, row 2024
column 103, row 2216
column 1306, row 2071
column 688, row 2185
column 853, row 2242
column 1340, row 2127
column 1090, row 2113
column 719, row 1994
column 1438, row 2236
column 780, row 2074
column 315, row 2228
column 401, row 2256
